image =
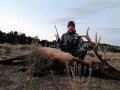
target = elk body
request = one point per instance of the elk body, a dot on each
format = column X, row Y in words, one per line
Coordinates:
column 46, row 59
column 56, row 60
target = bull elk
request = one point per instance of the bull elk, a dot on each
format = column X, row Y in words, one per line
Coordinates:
column 46, row 59
column 57, row 60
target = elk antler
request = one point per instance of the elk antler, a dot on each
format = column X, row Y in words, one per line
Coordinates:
column 94, row 45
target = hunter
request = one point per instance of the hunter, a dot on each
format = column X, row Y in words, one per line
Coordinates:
column 72, row 42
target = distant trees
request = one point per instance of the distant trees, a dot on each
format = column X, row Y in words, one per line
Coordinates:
column 110, row 48
column 2, row 37
column 14, row 37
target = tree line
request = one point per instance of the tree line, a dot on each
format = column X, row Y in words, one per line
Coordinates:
column 13, row 37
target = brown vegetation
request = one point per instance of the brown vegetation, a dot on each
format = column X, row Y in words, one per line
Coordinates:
column 11, row 79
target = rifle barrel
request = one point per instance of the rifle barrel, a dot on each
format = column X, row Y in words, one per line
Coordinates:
column 56, row 30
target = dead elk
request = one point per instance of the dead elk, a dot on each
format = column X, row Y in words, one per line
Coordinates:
column 45, row 59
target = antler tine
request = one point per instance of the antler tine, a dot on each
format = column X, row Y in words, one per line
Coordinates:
column 99, row 39
column 98, row 42
column 87, row 31
column 96, row 38
column 87, row 35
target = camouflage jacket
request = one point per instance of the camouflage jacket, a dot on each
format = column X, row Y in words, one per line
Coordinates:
column 70, row 42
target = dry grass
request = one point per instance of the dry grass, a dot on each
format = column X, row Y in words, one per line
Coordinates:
column 11, row 79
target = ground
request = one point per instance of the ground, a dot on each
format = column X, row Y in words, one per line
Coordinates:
column 12, row 79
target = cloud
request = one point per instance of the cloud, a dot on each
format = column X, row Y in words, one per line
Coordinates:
column 112, row 30
column 63, row 19
column 90, row 8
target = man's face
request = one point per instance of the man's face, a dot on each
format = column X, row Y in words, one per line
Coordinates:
column 71, row 28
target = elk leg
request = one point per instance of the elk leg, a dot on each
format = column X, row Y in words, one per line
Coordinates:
column 44, row 70
column 9, row 61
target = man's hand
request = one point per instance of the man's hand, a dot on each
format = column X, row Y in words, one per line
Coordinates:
column 57, row 38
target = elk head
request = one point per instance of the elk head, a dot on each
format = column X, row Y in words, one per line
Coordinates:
column 102, row 67
column 94, row 45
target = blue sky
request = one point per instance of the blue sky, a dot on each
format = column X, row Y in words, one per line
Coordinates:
column 38, row 17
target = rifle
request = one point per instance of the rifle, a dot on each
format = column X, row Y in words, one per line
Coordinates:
column 57, row 35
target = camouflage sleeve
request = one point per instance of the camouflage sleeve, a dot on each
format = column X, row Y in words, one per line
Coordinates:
column 80, row 42
column 62, row 39
column 62, row 42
